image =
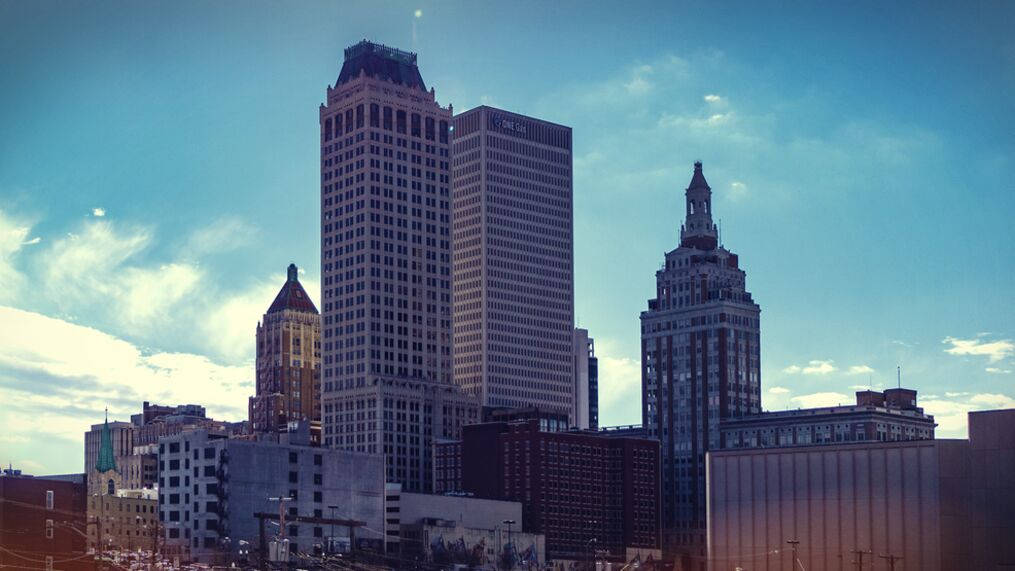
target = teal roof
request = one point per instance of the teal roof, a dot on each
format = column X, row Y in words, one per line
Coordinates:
column 106, row 460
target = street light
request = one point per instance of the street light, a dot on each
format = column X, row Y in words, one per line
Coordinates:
column 509, row 523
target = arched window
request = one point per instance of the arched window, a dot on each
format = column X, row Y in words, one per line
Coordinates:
column 110, row 487
column 690, row 207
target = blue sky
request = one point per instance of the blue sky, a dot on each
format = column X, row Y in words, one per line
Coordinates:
column 158, row 171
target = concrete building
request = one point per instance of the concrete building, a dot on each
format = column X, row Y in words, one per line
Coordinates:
column 877, row 416
column 126, row 519
column 700, row 341
column 513, row 269
column 211, row 487
column 288, row 362
column 575, row 487
column 459, row 529
column 586, row 381
column 42, row 523
column 399, row 419
column 935, row 504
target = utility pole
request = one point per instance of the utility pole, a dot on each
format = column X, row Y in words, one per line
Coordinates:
column 794, row 543
column 859, row 557
column 281, row 527
column 891, row 559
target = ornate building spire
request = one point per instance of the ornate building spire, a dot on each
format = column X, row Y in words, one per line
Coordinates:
column 106, row 460
column 698, row 230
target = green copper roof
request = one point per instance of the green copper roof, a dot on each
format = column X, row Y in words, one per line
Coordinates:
column 106, row 460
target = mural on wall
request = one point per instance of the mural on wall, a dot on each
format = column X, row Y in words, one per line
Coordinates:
column 460, row 553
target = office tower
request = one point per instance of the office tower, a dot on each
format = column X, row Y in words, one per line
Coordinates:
column 700, row 364
column 586, row 381
column 513, row 266
column 288, row 362
column 385, row 254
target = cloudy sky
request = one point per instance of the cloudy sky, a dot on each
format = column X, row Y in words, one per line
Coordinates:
column 158, row 171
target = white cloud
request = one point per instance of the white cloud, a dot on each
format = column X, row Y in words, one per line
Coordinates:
column 817, row 400
column 57, row 377
column 813, row 367
column 738, row 190
column 998, row 371
column 223, row 235
column 778, row 390
column 98, row 212
column 638, row 85
column 993, row 350
column 619, row 385
column 951, row 413
column 860, row 370
column 712, row 98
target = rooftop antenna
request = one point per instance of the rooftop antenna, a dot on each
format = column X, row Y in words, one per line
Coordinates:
column 898, row 375
column 720, row 232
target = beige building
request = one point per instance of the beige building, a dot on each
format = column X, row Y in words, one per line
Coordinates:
column 400, row 419
column 513, row 269
column 931, row 504
column 127, row 519
column 288, row 362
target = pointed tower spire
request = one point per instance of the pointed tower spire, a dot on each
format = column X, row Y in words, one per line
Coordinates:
column 293, row 273
column 106, row 460
column 698, row 230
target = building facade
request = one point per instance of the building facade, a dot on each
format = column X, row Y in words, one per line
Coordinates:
column 288, row 363
column 886, row 416
column 700, row 364
column 211, row 487
column 575, row 487
column 931, row 504
column 586, row 381
column 513, row 269
column 400, row 419
column 385, row 249
column 43, row 524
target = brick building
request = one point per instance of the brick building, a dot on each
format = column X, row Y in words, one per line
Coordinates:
column 887, row 416
column 584, row 491
column 42, row 524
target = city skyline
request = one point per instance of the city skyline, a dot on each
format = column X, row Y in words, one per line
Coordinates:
column 872, row 221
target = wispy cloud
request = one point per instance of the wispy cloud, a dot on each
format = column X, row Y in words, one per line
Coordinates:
column 223, row 235
column 98, row 212
column 998, row 371
column 778, row 390
column 712, row 98
column 951, row 412
column 993, row 350
column 860, row 370
column 813, row 367
column 13, row 234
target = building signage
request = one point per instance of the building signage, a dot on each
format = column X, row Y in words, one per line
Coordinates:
column 509, row 124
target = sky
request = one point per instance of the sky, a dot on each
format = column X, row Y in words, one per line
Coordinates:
column 159, row 170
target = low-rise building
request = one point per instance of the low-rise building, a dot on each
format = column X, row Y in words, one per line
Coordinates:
column 576, row 487
column 887, row 416
column 42, row 523
column 219, row 496
column 930, row 504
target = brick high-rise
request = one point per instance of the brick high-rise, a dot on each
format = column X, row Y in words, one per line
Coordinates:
column 513, row 260
column 385, row 246
column 288, row 361
column 700, row 364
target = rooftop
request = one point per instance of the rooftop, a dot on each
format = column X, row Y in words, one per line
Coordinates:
column 292, row 295
column 381, row 62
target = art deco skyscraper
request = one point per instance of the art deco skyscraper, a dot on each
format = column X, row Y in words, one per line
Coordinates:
column 513, row 260
column 700, row 363
column 288, row 362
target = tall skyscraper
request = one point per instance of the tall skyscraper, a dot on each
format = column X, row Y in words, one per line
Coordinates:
column 513, row 263
column 385, row 255
column 288, row 362
column 700, row 364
